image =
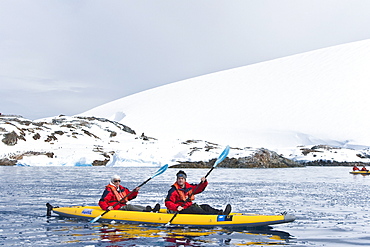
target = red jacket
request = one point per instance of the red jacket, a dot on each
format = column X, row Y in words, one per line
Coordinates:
column 109, row 198
column 173, row 199
column 355, row 168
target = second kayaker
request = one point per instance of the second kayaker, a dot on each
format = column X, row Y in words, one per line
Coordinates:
column 181, row 195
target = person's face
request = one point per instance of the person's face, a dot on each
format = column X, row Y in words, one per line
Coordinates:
column 116, row 182
column 181, row 181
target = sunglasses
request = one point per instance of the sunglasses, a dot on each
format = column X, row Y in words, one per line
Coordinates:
column 115, row 181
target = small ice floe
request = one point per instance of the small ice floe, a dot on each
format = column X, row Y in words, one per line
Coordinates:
column 343, row 226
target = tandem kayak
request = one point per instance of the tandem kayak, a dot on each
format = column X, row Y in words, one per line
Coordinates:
column 360, row 172
column 162, row 217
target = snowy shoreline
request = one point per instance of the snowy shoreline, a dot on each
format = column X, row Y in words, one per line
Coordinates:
column 90, row 141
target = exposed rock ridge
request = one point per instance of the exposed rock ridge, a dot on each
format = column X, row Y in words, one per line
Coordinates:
column 262, row 158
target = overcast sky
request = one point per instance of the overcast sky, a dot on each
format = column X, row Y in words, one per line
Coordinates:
column 66, row 57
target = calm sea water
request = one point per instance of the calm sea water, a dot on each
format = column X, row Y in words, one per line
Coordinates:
column 331, row 206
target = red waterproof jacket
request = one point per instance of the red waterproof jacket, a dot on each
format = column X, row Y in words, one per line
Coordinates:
column 109, row 197
column 175, row 196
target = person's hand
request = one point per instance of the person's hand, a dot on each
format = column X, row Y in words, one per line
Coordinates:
column 110, row 208
column 137, row 189
column 179, row 208
column 203, row 179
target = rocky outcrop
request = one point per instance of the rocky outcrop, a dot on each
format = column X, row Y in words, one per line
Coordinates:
column 117, row 124
column 31, row 153
column 58, row 130
column 12, row 160
column 316, row 149
column 71, row 126
column 334, row 163
column 263, row 158
column 12, row 138
column 7, row 162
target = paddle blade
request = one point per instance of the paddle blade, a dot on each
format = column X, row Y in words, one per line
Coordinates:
column 160, row 170
column 222, row 156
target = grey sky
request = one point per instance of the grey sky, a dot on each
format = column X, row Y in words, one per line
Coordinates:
column 66, row 57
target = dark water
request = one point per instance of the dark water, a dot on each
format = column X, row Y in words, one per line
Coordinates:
column 331, row 206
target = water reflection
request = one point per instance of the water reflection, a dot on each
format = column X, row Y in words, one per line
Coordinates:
column 72, row 231
column 116, row 233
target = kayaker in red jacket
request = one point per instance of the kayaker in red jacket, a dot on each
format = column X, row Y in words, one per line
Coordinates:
column 355, row 168
column 364, row 168
column 114, row 192
column 181, row 195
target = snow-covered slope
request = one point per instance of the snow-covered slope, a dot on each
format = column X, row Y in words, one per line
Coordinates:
column 318, row 97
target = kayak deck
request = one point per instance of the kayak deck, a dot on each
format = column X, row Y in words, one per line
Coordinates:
column 360, row 172
column 162, row 217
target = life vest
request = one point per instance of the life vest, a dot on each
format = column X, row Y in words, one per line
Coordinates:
column 119, row 195
column 188, row 196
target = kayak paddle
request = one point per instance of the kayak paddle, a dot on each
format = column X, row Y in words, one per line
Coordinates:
column 222, row 156
column 159, row 172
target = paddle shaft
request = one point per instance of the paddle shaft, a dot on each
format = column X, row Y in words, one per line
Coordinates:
column 209, row 172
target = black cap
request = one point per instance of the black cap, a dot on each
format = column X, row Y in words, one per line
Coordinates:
column 182, row 174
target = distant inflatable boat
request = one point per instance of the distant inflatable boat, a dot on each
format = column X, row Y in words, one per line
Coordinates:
column 360, row 172
column 162, row 217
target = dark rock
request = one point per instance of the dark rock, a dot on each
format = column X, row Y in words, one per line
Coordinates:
column 263, row 158
column 36, row 136
column 51, row 138
column 112, row 133
column 7, row 162
column 31, row 153
column 119, row 125
column 102, row 162
column 10, row 139
column 90, row 134
column 334, row 163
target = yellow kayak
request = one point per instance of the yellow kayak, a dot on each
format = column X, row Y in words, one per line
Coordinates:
column 360, row 172
column 162, row 217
